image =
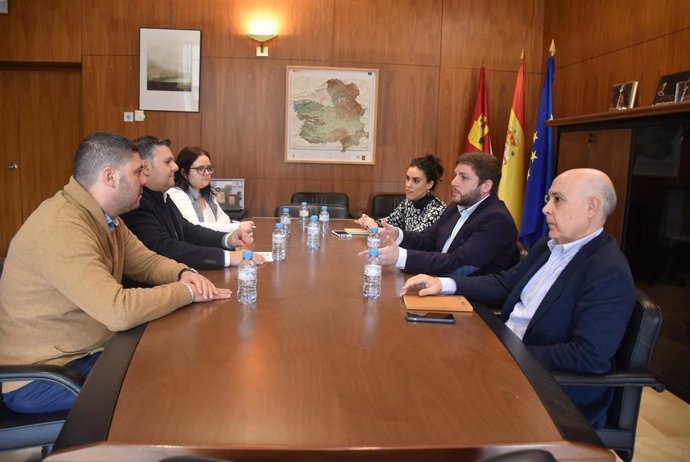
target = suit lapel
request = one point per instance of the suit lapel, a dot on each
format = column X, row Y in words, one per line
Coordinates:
column 467, row 226
column 566, row 275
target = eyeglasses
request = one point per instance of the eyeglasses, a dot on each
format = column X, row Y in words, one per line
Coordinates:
column 203, row 170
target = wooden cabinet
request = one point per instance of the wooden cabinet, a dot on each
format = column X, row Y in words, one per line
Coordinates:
column 605, row 150
column 609, row 142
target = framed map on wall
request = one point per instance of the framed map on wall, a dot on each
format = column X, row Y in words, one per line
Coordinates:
column 330, row 115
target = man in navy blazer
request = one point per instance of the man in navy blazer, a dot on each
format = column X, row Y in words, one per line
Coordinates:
column 475, row 235
column 571, row 299
column 162, row 228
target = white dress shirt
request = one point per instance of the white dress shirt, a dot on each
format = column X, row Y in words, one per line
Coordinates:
column 464, row 215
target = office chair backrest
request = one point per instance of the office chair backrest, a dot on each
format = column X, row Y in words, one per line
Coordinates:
column 635, row 355
column 323, row 198
column 334, row 211
column 383, row 205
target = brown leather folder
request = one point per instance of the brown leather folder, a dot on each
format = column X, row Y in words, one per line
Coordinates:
column 437, row 303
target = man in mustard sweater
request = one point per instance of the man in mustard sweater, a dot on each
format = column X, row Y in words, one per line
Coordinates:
column 61, row 296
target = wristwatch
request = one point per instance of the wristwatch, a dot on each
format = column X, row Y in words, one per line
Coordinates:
column 192, row 270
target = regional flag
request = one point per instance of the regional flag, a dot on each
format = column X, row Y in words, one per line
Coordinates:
column 512, row 185
column 541, row 165
column 478, row 139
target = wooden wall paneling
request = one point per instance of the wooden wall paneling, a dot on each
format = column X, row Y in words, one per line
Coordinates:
column 457, row 94
column 52, row 111
column 39, row 32
column 263, row 195
column 10, row 149
column 244, row 112
column 111, row 87
column 654, row 18
column 387, row 31
column 407, row 118
column 493, row 33
column 305, row 28
column 112, row 28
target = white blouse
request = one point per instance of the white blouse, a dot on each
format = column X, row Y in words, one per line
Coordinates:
column 220, row 221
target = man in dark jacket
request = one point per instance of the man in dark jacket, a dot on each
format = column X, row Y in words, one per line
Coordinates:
column 162, row 228
column 571, row 299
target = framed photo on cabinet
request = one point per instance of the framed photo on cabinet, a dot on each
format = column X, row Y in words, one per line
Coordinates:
column 623, row 95
column 667, row 91
column 330, row 115
column 169, row 62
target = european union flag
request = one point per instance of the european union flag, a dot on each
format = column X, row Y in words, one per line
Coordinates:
column 541, row 166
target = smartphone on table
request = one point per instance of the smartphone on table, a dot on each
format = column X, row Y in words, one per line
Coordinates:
column 430, row 316
column 341, row 234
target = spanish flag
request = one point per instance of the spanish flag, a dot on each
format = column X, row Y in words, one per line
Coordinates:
column 478, row 139
column 512, row 186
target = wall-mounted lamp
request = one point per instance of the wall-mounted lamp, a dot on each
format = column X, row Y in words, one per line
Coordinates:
column 262, row 39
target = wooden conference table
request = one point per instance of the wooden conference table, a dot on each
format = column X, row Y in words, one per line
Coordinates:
column 314, row 371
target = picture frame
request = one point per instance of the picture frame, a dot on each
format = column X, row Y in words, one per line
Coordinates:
column 666, row 91
column 4, row 8
column 319, row 129
column 623, row 95
column 229, row 192
column 683, row 91
column 169, row 69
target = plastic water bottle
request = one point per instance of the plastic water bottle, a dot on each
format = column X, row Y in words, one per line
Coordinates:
column 374, row 241
column 286, row 221
column 372, row 275
column 304, row 216
column 324, row 218
column 313, row 234
column 279, row 243
column 246, row 279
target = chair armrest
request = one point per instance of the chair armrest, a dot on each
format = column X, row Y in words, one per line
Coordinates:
column 61, row 375
column 612, row 379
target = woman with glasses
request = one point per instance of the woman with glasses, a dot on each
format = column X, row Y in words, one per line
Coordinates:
column 193, row 196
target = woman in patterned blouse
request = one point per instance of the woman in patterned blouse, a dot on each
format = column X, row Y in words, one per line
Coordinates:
column 421, row 208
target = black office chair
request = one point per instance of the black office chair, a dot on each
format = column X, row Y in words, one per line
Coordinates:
column 528, row 455
column 334, row 211
column 323, row 198
column 383, row 205
column 19, row 431
column 632, row 373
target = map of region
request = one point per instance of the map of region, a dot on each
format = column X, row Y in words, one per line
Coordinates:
column 330, row 113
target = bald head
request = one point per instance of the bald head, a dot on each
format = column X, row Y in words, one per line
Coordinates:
column 590, row 182
column 579, row 202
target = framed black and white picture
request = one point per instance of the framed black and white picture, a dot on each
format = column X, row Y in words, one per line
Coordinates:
column 169, row 62
column 623, row 95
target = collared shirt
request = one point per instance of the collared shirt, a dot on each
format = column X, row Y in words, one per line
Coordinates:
column 464, row 216
column 112, row 223
column 537, row 287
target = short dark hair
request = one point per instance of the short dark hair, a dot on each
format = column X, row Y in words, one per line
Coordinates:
column 484, row 165
column 147, row 144
column 185, row 159
column 97, row 151
column 432, row 167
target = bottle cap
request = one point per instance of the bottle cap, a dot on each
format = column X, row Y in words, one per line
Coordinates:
column 313, row 218
column 324, row 207
column 286, row 210
column 304, row 204
column 279, row 226
column 247, row 254
column 373, row 252
column 374, row 230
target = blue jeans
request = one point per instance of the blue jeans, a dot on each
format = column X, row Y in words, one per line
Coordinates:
column 41, row 396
